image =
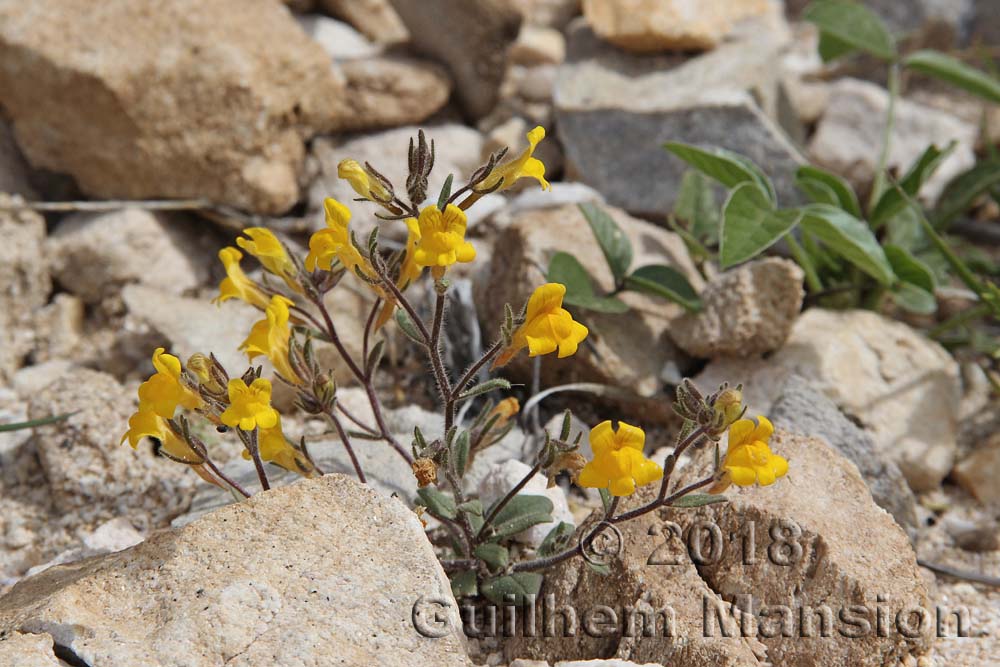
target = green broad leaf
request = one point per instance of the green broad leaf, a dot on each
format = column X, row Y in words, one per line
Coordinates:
column 438, row 502
column 44, row 421
column 825, row 187
column 729, row 168
column 954, row 71
column 495, row 556
column 566, row 269
column 914, row 299
column 850, row 238
column 667, row 282
column 964, row 189
column 696, row 205
column 521, row 513
column 407, row 327
column 464, row 584
column 512, row 589
column 830, row 48
column 698, row 500
column 850, row 25
column 892, row 202
column 614, row 244
column 474, row 507
column 484, row 388
column 460, row 452
column 909, row 269
column 751, row 225
column 557, row 539
column 476, row 521
column 445, row 193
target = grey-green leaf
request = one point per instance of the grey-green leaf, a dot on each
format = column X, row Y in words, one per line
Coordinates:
column 512, row 588
column 750, row 225
column 566, row 269
column 954, row 71
column 851, row 24
column 667, row 282
column 407, row 327
column 698, row 500
column 697, row 206
column 850, row 238
column 825, row 187
column 557, row 539
column 464, row 584
column 521, row 513
column 914, row 299
column 460, row 452
column 614, row 244
column 909, row 269
column 891, row 202
column 962, row 190
column 493, row 384
column 729, row 168
column 474, row 507
column 44, row 421
column 437, row 502
column 494, row 555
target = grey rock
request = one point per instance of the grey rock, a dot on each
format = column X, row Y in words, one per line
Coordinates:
column 24, row 284
column 802, row 409
column 13, row 167
column 475, row 49
column 614, row 112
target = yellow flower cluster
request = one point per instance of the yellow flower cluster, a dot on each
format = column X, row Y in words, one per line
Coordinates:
column 547, row 327
column 749, row 460
column 619, row 464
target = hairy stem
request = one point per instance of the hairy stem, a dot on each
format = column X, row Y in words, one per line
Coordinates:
column 345, row 439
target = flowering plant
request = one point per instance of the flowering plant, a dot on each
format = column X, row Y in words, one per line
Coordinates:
column 295, row 318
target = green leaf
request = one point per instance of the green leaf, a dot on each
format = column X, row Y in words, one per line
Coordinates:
column 614, row 244
column 474, row 507
column 698, row 500
column 437, row 502
column 494, row 555
column 891, row 202
column 512, row 588
column 850, row 238
column 696, row 205
column 909, row 269
column 557, row 539
column 914, row 299
column 831, row 48
column 664, row 281
column 605, row 499
column 521, row 513
column 850, row 24
column 964, row 189
column 600, row 568
column 954, row 71
column 460, row 452
column 44, row 421
column 445, row 193
column 566, row 269
column 464, row 584
column 825, row 187
column 750, row 225
column 407, row 327
column 484, row 388
column 729, row 168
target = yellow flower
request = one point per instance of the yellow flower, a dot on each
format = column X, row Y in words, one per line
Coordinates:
column 523, row 165
column 250, row 406
column 164, row 391
column 618, row 464
column 274, row 448
column 365, row 185
column 440, row 238
column 270, row 337
column 409, row 270
column 236, row 284
column 749, row 459
column 547, row 326
column 334, row 242
column 266, row 247
column 201, row 367
column 146, row 423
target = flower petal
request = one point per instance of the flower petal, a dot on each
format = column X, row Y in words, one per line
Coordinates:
column 602, row 438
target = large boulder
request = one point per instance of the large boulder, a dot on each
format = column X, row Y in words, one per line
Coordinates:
column 901, row 387
column 389, row 92
column 24, row 283
column 320, row 570
column 173, row 99
column 614, row 112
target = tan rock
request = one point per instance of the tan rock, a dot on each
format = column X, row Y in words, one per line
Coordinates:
column 979, row 472
column 390, row 92
column 897, row 384
column 628, row 351
column 538, row 46
column 13, row 168
column 24, row 283
column 28, row 650
column 818, row 541
column 648, row 26
column 745, row 312
column 547, row 13
column 177, row 99
column 322, row 568
column 475, row 51
column 375, row 18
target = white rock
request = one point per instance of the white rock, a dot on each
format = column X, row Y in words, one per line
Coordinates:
column 28, row 650
column 338, row 39
column 504, row 476
column 111, row 536
column 538, row 46
column 24, row 283
column 32, row 379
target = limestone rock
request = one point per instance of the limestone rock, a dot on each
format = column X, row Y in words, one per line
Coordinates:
column 375, row 18
column 979, row 472
column 854, row 122
column 614, row 111
column 111, row 536
column 502, row 477
column 338, row 39
column 547, row 13
column 475, row 50
column 802, row 409
column 175, row 99
column 457, row 152
column 88, row 472
column 321, row 568
column 747, row 311
column 649, row 26
column 390, row 92
column 625, row 351
column 901, row 387
column 28, row 650
column 538, row 46
column 819, row 540
column 95, row 255
column 24, row 283
column 13, row 168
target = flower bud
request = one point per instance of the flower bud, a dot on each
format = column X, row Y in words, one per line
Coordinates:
column 202, row 367
column 728, row 406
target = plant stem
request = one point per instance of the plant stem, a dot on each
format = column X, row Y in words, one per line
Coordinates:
column 967, row 315
column 368, row 328
column 332, row 417
column 488, row 521
column 225, row 478
column 474, row 369
column 437, row 363
column 253, row 446
column 802, row 257
column 878, row 185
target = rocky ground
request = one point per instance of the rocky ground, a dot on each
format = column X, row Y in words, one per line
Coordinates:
column 238, row 112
